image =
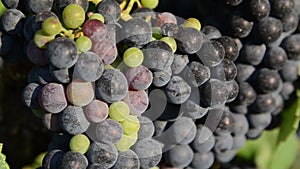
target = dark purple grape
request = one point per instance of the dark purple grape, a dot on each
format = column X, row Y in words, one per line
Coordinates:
column 11, row 21
column 39, row 6
column 89, row 67
column 260, row 9
column 94, row 29
column 204, row 140
column 127, row 160
column 157, row 55
column 144, row 13
column 267, row 80
column 60, row 75
column 223, row 143
column 112, row 86
column 253, row 54
column 110, row 10
column 104, row 154
column 179, row 156
column 279, row 103
column 177, row 90
column 169, row 29
column 241, row 125
column 254, row 133
column 52, row 98
column 287, row 89
column 36, row 55
column 28, row 31
column 40, row 75
column 230, row 46
column 193, row 110
column 233, row 90
column 189, row 40
column 149, row 152
column 290, row 21
column 73, row 160
column 62, row 52
column 289, row 72
column 269, row 29
column 73, row 120
column 211, row 53
column 225, row 71
column 139, row 78
column 179, row 63
column 214, row 93
column 282, row 7
column 264, row 103
column 275, row 58
column 161, row 77
column 241, row 27
column 247, row 94
column 211, row 32
column 225, row 124
column 30, row 95
column 196, row 73
column 182, row 131
column 137, row 102
column 244, row 72
column 239, row 142
column 137, row 32
column 52, row 159
column 108, row 131
column 106, row 50
column 146, row 128
column 51, row 122
column 10, row 3
column 225, row 156
column 292, row 47
column 205, row 160
column 261, row 120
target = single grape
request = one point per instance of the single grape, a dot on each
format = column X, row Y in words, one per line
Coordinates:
column 106, row 50
column 125, row 143
column 151, row 4
column 260, row 9
column 59, row 75
column 193, row 23
column 97, row 16
column 119, row 111
column 203, row 160
column 204, row 140
column 110, row 9
column 39, row 6
column 130, row 125
column 109, row 131
column 127, row 160
column 73, row 160
column 253, row 54
column 104, row 154
column 52, row 26
column 73, row 16
column 225, row 71
column 36, row 55
column 146, row 128
column 189, row 40
column 177, row 90
column 133, row 57
column 96, row 111
column 137, row 102
column 270, row 29
column 52, row 158
column 80, row 93
column 94, row 29
column 139, row 78
column 179, row 156
column 84, row 43
column 30, row 95
column 79, row 143
column 171, row 42
column 179, row 63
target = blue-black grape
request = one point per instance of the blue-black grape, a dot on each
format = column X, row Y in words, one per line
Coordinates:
column 146, row 128
column 104, row 154
column 287, row 89
column 157, row 55
column 225, row 156
column 211, row 53
column 215, row 93
column 226, row 122
column 12, row 21
column 253, row 54
column 193, row 109
column 108, row 131
column 269, row 29
column 225, row 71
column 189, row 40
column 238, row 142
column 52, row 159
column 89, row 67
column 60, row 75
column 275, row 58
column 290, row 21
column 289, row 71
column 223, row 143
column 39, row 6
column 51, row 122
column 261, row 120
column 267, row 80
column 30, row 95
column 203, row 160
column 264, row 103
column 137, row 32
column 112, row 86
column 177, row 90
column 73, row 120
column 161, row 77
column 244, row 71
column 233, row 2
column 149, row 152
column 233, row 90
column 241, row 27
column 10, row 3
column 230, row 46
column 260, row 9
column 127, row 160
column 282, row 7
column 241, row 125
column 211, row 32
column 196, row 73
column 110, row 10
column 179, row 156
column 182, row 131
column 73, row 160
column 179, row 62
column 62, row 52
column 292, row 47
column 204, row 140
column 169, row 29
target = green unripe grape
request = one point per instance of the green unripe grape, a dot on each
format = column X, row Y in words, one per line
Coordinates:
column 126, row 142
column 38, row 160
column 52, row 26
column 151, row 4
column 73, row 16
column 84, row 43
column 133, row 57
column 2, row 8
column 80, row 143
column 131, row 125
column 192, row 23
column 171, row 42
column 156, row 33
column 41, row 39
column 118, row 111
column 97, row 16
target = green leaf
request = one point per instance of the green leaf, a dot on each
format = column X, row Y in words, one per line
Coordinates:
column 290, row 120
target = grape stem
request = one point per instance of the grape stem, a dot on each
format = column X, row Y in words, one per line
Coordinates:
column 126, row 6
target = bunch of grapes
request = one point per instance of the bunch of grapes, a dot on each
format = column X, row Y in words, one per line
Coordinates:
column 121, row 86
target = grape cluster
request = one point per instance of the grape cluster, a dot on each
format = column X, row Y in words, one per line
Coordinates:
column 121, row 86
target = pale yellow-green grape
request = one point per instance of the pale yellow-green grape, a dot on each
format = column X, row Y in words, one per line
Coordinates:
column 2, row 8
column 52, row 26
column 126, row 142
column 192, row 23
column 84, row 43
column 171, row 42
column 79, row 143
column 133, row 57
column 73, row 16
column 131, row 125
column 119, row 111
column 151, row 4
column 98, row 17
